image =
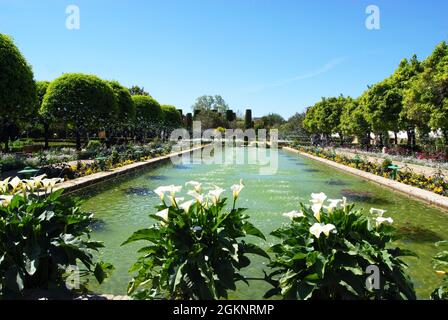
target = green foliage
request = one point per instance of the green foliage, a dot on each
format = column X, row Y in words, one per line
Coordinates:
column 149, row 114
column 40, row 238
column 171, row 117
column 138, row 91
column 248, row 122
column 18, row 95
column 193, row 251
column 325, row 252
column 427, row 97
column 209, row 103
column 42, row 87
column 94, row 145
column 441, row 267
column 325, row 116
column 354, row 122
column 84, row 101
column 270, row 121
column 385, row 164
column 126, row 107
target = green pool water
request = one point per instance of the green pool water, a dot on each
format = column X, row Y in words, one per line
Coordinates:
column 123, row 206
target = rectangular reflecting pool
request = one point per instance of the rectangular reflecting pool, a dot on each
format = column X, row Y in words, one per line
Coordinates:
column 122, row 207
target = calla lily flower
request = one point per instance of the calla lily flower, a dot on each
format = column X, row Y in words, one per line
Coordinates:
column 186, row 205
column 30, row 185
column 318, row 198
column 163, row 214
column 38, row 180
column 199, row 197
column 4, row 185
column 333, row 204
column 318, row 228
column 378, row 212
column 16, row 183
column 294, row 214
column 316, row 208
column 215, row 194
column 5, row 200
column 236, row 189
column 49, row 184
column 196, row 185
column 172, row 190
column 380, row 220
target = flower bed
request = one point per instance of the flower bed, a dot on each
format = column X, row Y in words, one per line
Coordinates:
column 435, row 183
column 55, row 164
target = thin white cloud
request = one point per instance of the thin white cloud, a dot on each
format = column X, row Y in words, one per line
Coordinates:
column 324, row 69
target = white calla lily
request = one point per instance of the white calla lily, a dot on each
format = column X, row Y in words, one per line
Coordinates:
column 316, row 208
column 4, row 185
column 186, row 205
column 378, row 212
column 38, row 180
column 172, row 190
column 333, row 204
column 318, row 198
column 294, row 214
column 318, row 228
column 199, row 197
column 236, row 189
column 163, row 214
column 380, row 220
column 197, row 186
column 5, row 200
column 16, row 183
column 215, row 194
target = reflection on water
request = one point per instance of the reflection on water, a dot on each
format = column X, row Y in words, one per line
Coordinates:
column 124, row 208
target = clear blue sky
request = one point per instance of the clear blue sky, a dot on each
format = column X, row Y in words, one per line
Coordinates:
column 270, row 55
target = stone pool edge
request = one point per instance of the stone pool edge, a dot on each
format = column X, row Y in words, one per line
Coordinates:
column 71, row 186
column 423, row 195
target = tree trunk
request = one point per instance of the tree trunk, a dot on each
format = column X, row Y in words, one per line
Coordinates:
column 341, row 136
column 78, row 140
column 46, row 132
column 7, row 144
column 396, row 137
column 414, row 141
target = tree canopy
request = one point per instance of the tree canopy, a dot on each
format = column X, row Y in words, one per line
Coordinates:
column 18, row 95
column 126, row 107
column 208, row 103
column 85, row 101
column 149, row 114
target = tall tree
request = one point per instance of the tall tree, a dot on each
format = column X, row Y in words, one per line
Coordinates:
column 354, row 122
column 149, row 116
column 406, row 73
column 208, row 103
column 18, row 96
column 172, row 119
column 427, row 97
column 125, row 119
column 83, row 101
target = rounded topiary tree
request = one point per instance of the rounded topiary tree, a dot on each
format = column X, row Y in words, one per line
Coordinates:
column 17, row 87
column 172, row 118
column 126, row 107
column 149, row 116
column 82, row 101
